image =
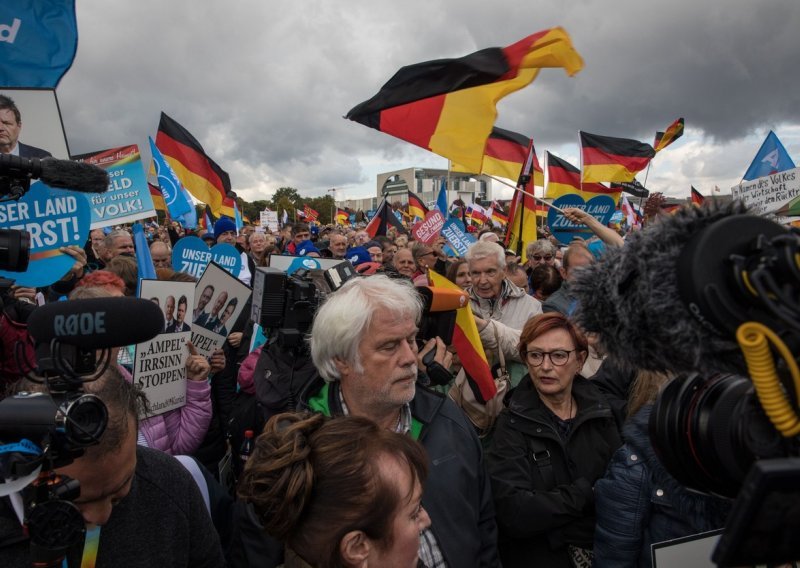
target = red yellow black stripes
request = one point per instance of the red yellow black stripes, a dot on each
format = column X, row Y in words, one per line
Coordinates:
column 448, row 106
column 564, row 178
column 606, row 158
column 416, row 208
column 672, row 133
column 201, row 175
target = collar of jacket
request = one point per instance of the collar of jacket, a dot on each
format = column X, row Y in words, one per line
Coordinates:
column 525, row 403
column 323, row 397
column 508, row 291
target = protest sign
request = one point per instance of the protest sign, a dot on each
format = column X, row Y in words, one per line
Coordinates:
column 42, row 129
column 771, row 195
column 269, row 220
column 221, row 297
column 428, row 230
column 191, row 255
column 456, row 236
column 128, row 197
column 601, row 207
column 54, row 218
column 159, row 367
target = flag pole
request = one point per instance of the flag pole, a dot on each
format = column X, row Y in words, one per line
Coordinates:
column 539, row 199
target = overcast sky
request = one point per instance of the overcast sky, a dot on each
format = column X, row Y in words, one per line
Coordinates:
column 264, row 85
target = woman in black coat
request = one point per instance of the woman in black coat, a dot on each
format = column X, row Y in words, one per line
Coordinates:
column 552, row 442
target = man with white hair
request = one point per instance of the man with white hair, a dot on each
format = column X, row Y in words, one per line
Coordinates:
column 363, row 344
column 501, row 308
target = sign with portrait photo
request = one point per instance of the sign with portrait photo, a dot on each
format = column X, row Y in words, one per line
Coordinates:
column 220, row 298
column 159, row 367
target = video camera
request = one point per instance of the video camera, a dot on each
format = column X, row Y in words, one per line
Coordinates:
column 712, row 295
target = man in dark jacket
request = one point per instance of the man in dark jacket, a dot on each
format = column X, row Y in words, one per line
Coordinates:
column 363, row 344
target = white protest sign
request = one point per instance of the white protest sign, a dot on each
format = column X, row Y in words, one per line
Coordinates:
column 220, row 299
column 769, row 194
column 269, row 220
column 159, row 367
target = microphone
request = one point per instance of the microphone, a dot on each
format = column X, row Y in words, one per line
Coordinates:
column 97, row 323
column 65, row 174
column 672, row 297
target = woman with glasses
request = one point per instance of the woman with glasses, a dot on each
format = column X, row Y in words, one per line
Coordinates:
column 552, row 442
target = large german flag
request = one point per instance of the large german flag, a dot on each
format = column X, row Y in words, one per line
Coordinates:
column 199, row 174
column 448, row 106
column 613, row 159
column 564, row 178
column 416, row 208
column 672, row 133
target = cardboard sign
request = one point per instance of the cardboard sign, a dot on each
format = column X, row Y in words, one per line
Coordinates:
column 453, row 231
column 128, row 197
column 54, row 218
column 159, row 367
column 192, row 255
column 776, row 194
column 601, row 207
column 428, row 229
column 221, row 297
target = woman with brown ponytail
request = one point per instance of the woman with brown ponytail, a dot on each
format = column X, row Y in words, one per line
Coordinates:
column 338, row 492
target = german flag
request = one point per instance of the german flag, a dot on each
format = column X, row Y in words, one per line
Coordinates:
column 468, row 346
column 499, row 217
column 672, row 133
column 505, row 155
column 228, row 208
column 564, row 178
column 199, row 174
column 613, row 159
column 522, row 224
column 416, row 208
column 158, row 198
column 342, row 217
column 697, row 197
column 448, row 106
column 384, row 216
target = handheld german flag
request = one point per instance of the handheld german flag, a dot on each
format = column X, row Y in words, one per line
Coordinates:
column 416, row 208
column 697, row 197
column 448, row 106
column 605, row 158
column 564, row 179
column 505, row 154
column 198, row 173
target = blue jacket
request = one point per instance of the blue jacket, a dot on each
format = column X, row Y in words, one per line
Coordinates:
column 638, row 503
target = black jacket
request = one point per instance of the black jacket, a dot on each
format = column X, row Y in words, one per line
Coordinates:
column 457, row 492
column 542, row 485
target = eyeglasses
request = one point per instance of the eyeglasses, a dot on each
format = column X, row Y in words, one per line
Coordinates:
column 558, row 357
column 538, row 257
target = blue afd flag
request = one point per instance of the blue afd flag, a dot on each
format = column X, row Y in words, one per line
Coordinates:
column 237, row 216
column 144, row 262
column 441, row 200
column 38, row 41
column 170, row 185
column 771, row 159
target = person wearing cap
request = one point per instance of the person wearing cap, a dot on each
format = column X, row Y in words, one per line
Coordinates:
column 225, row 232
column 299, row 233
column 307, row 248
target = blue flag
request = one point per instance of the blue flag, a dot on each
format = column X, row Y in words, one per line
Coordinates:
column 171, row 187
column 188, row 219
column 144, row 262
column 237, row 217
column 38, row 41
column 441, row 200
column 771, row 158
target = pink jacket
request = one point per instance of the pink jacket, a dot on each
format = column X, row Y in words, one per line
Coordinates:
column 247, row 371
column 179, row 431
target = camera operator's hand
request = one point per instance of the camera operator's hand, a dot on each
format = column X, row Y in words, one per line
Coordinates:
column 217, row 361
column 79, row 266
column 443, row 356
column 23, row 294
column 235, row 339
column 197, row 366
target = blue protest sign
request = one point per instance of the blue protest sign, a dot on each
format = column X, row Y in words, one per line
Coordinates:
column 601, row 207
column 54, row 218
column 39, row 40
column 456, row 237
column 192, row 255
column 128, row 196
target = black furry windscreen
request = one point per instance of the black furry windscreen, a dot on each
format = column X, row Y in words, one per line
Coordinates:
column 630, row 298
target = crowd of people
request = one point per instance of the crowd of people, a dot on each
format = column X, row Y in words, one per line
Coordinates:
column 357, row 459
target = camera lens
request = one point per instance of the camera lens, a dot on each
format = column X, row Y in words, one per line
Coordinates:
column 707, row 431
column 14, row 250
column 85, row 421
